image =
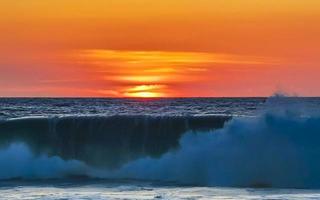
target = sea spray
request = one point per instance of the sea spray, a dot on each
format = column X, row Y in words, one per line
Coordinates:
column 17, row 161
column 275, row 149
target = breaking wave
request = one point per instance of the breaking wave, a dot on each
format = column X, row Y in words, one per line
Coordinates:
column 277, row 148
column 268, row 151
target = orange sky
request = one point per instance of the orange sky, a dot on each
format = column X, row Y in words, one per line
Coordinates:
column 159, row 48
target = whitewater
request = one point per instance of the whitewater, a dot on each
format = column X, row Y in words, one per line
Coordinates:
column 206, row 148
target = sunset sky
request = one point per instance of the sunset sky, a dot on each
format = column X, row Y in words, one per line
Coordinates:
column 159, row 48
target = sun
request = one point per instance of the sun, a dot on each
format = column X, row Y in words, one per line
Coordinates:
column 145, row 91
column 144, row 94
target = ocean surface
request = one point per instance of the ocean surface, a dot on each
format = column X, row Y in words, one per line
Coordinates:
column 164, row 148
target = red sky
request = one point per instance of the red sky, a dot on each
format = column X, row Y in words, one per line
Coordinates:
column 167, row 48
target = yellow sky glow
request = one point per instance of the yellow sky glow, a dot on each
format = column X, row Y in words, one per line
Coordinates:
column 149, row 72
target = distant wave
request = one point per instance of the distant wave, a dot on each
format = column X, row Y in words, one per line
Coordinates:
column 278, row 148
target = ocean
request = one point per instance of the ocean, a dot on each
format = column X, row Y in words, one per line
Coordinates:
column 160, row 148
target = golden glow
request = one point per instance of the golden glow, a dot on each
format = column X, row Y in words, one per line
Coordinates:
column 142, row 79
column 149, row 91
column 144, row 94
column 151, row 58
column 152, row 73
column 143, row 88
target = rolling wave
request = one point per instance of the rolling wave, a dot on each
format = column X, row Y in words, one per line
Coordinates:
column 278, row 148
column 107, row 142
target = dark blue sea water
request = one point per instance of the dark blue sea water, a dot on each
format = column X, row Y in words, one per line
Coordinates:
column 174, row 148
column 50, row 107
